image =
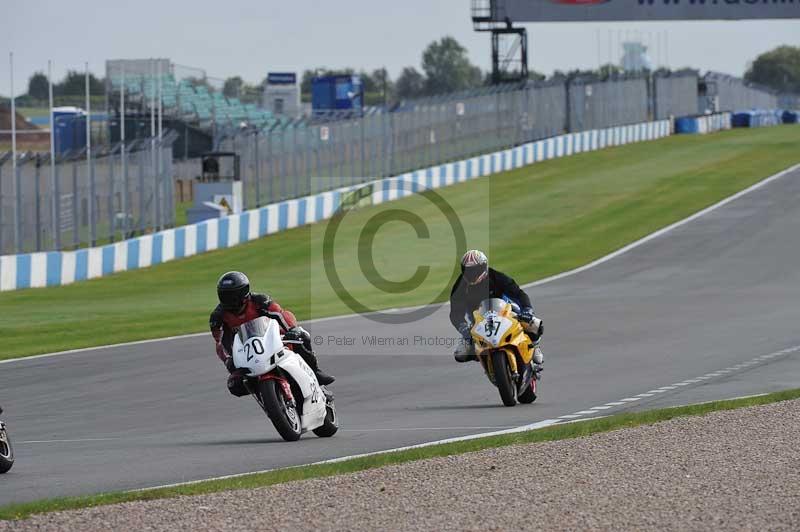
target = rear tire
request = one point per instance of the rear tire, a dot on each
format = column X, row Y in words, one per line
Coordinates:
column 331, row 425
column 6, row 452
column 284, row 417
column 502, row 378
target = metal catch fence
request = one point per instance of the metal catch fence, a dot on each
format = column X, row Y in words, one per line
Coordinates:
column 117, row 194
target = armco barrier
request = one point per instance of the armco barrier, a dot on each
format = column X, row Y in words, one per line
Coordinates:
column 65, row 267
column 703, row 123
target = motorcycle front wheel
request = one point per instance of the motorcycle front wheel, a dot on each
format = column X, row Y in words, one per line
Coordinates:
column 502, row 378
column 283, row 415
column 6, row 451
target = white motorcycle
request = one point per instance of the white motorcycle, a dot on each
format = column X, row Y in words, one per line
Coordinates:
column 282, row 383
column 6, row 452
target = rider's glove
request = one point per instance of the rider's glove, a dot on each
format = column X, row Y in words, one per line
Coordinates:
column 229, row 365
column 221, row 353
column 526, row 315
column 464, row 329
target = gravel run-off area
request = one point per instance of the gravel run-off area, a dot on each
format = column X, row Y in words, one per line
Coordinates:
column 729, row 470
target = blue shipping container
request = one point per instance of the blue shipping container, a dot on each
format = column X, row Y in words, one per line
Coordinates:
column 330, row 93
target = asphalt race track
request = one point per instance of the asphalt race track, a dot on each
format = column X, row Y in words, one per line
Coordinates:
column 710, row 295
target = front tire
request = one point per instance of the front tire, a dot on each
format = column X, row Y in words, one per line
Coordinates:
column 6, row 451
column 502, row 378
column 283, row 415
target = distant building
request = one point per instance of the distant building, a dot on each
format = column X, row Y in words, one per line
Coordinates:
column 634, row 58
column 282, row 94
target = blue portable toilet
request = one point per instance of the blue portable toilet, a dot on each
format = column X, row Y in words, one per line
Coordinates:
column 69, row 128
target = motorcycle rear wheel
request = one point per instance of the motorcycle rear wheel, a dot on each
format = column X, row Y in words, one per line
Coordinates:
column 502, row 378
column 284, row 417
column 528, row 396
column 331, row 425
column 6, row 452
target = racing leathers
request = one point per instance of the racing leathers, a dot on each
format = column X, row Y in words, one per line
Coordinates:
column 224, row 324
column 466, row 298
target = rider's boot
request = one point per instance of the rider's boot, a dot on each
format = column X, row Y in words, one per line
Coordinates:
column 464, row 357
column 465, row 353
column 301, row 344
column 311, row 359
column 323, row 378
column 538, row 359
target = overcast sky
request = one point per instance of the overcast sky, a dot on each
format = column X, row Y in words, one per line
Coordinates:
column 252, row 37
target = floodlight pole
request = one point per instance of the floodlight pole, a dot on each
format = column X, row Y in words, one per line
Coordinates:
column 160, row 152
column 123, row 159
column 17, row 212
column 89, row 168
column 13, row 114
column 153, row 155
column 53, row 181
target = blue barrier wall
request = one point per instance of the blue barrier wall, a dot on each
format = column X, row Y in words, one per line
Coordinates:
column 55, row 268
column 703, row 123
column 757, row 118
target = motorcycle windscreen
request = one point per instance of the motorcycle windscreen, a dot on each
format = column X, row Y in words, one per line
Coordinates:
column 494, row 304
column 256, row 328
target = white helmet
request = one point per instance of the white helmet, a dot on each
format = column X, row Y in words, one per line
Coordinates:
column 474, row 266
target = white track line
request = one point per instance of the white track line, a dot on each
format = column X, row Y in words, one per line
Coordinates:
column 65, row 441
column 663, row 389
column 524, row 428
column 400, row 429
column 540, row 282
column 566, row 418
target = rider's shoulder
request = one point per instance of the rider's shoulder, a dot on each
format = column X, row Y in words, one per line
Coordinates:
column 260, row 299
column 499, row 277
column 216, row 314
column 457, row 284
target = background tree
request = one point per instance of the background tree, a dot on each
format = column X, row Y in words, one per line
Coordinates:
column 233, row 87
column 609, row 70
column 778, row 69
column 38, row 86
column 383, row 84
column 447, row 67
column 74, row 84
column 410, row 83
column 532, row 75
column 369, row 83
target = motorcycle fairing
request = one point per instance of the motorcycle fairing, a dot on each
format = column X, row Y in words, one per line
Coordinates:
column 313, row 398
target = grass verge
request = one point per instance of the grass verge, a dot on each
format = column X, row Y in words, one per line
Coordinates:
column 556, row 432
column 534, row 222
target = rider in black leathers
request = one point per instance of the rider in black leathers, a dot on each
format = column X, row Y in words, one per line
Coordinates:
column 478, row 282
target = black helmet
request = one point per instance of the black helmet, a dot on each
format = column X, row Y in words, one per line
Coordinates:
column 474, row 266
column 233, row 289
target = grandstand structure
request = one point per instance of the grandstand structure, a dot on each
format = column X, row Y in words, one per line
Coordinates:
column 183, row 94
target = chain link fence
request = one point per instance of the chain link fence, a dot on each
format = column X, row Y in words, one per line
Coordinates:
column 127, row 192
column 595, row 105
column 309, row 155
column 721, row 92
column 120, row 192
column 675, row 94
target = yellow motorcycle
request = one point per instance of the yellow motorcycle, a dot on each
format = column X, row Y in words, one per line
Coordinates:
column 505, row 350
